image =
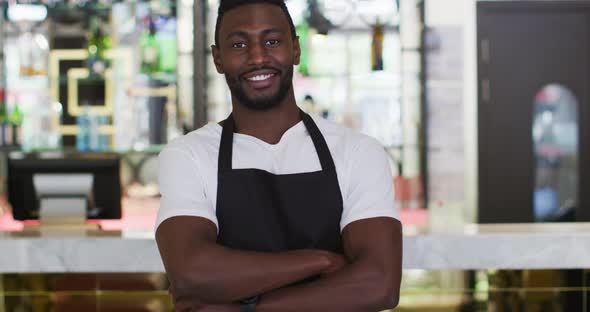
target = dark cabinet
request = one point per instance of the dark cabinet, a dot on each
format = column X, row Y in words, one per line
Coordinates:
column 533, row 114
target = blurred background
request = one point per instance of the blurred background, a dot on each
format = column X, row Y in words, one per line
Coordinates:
column 479, row 104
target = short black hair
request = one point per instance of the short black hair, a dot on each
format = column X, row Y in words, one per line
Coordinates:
column 227, row 5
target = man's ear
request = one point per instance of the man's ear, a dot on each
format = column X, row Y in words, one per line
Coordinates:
column 217, row 59
column 297, row 51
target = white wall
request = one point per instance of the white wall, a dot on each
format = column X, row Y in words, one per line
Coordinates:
column 470, row 108
column 446, row 12
column 460, row 14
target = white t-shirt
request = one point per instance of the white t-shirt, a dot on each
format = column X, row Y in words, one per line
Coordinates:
column 188, row 169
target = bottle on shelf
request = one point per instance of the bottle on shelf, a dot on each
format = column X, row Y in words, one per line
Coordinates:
column 167, row 42
column 41, row 125
column 83, row 136
column 33, row 49
column 89, row 137
column 98, row 43
column 25, row 49
column 303, row 33
column 3, row 118
column 15, row 119
column 377, row 46
column 98, row 141
column 150, row 50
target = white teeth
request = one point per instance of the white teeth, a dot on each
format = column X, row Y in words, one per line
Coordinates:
column 260, row 77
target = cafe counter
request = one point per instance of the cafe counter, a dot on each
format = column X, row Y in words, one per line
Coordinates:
column 510, row 246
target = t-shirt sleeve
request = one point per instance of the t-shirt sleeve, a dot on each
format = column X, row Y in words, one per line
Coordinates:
column 181, row 187
column 369, row 187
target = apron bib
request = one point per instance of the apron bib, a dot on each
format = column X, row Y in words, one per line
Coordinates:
column 260, row 211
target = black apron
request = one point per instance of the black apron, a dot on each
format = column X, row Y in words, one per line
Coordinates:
column 260, row 211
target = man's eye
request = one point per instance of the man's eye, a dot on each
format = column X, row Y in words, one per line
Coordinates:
column 273, row 43
column 238, row 45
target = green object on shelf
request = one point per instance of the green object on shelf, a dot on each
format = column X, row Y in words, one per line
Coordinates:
column 303, row 33
column 158, row 51
column 98, row 43
column 168, row 59
column 3, row 117
column 16, row 116
column 15, row 119
column 150, row 50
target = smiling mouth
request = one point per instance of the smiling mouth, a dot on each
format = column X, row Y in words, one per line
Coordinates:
column 260, row 77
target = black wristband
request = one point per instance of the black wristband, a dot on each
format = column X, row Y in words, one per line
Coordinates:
column 249, row 305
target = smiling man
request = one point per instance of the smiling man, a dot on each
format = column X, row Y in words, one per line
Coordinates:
column 273, row 210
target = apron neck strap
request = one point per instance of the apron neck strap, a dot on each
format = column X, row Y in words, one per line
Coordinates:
column 321, row 147
column 319, row 142
column 226, row 145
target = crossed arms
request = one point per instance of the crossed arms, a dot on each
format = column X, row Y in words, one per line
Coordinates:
column 207, row 277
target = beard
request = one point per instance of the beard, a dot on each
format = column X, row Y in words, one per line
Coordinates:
column 261, row 103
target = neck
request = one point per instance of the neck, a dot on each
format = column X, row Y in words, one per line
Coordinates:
column 268, row 125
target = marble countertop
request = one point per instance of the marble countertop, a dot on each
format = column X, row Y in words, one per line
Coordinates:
column 515, row 246
column 501, row 246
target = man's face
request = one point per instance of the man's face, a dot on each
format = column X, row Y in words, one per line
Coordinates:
column 256, row 53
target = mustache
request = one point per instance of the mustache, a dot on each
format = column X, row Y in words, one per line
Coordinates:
column 261, row 68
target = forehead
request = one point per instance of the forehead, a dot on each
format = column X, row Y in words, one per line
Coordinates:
column 253, row 18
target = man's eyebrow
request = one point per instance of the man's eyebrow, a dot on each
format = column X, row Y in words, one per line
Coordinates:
column 271, row 30
column 237, row 34
column 245, row 34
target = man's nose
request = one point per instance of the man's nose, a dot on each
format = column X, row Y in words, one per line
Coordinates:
column 258, row 54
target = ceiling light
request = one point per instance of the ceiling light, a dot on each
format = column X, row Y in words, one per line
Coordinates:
column 27, row 13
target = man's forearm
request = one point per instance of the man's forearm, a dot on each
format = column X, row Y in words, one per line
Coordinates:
column 370, row 283
column 221, row 275
column 353, row 289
